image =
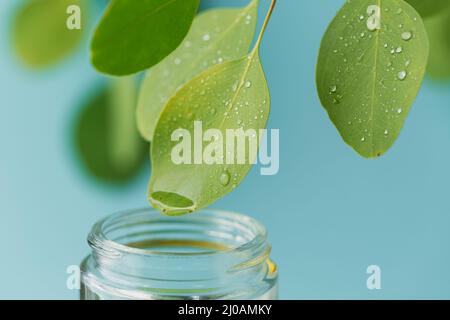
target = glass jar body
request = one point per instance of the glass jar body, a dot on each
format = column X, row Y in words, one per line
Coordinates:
column 208, row 255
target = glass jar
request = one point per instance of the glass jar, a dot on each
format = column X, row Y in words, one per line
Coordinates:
column 208, row 255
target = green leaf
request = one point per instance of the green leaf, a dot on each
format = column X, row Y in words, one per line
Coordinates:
column 368, row 78
column 438, row 28
column 228, row 96
column 106, row 137
column 40, row 35
column 215, row 36
column 135, row 35
column 429, row 7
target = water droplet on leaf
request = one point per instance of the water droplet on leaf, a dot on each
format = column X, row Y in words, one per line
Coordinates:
column 402, row 75
column 406, row 36
column 225, row 178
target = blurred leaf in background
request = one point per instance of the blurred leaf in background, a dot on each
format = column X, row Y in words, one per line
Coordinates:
column 438, row 28
column 106, row 137
column 40, row 34
column 428, row 8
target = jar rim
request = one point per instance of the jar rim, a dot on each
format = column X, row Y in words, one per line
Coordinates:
column 99, row 238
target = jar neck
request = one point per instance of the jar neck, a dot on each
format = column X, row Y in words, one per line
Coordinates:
column 211, row 251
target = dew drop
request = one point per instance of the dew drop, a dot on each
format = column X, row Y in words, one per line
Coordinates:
column 225, row 178
column 406, row 36
column 399, row 110
column 402, row 75
column 248, row 84
column 333, row 89
column 206, row 37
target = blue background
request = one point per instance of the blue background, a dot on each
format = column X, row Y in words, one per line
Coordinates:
column 329, row 212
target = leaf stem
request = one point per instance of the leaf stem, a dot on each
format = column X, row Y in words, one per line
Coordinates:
column 266, row 21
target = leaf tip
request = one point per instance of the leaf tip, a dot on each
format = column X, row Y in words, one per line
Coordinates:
column 171, row 204
column 367, row 154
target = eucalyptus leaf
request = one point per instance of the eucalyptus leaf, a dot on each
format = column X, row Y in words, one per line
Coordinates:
column 429, row 7
column 438, row 28
column 106, row 136
column 39, row 32
column 226, row 97
column 215, row 36
column 135, row 35
column 371, row 65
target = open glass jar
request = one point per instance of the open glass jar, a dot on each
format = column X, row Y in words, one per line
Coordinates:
column 208, row 255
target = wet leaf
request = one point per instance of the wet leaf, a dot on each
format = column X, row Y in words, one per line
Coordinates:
column 371, row 66
column 228, row 96
column 40, row 35
column 438, row 28
column 429, row 7
column 135, row 35
column 216, row 36
column 106, row 137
